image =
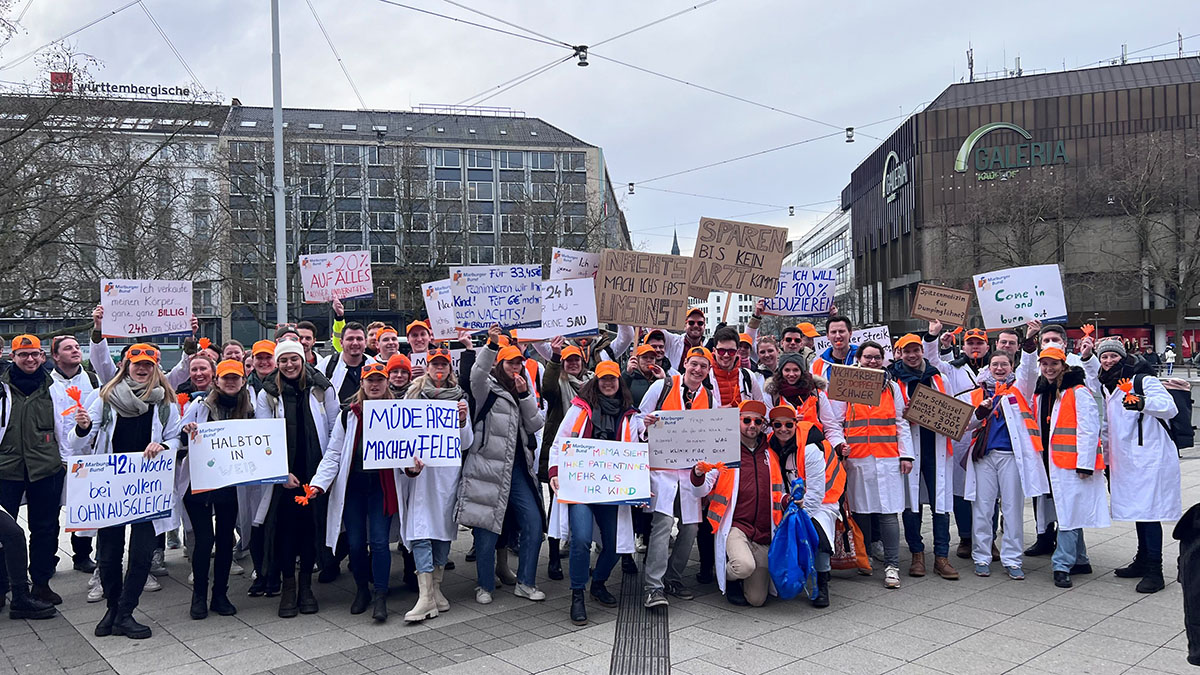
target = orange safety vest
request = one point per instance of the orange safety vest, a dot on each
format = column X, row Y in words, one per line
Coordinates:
column 584, row 422
column 835, row 477
column 1031, row 425
column 940, row 385
column 722, row 494
column 674, row 399
column 531, row 367
column 871, row 429
column 819, row 366
column 1064, row 442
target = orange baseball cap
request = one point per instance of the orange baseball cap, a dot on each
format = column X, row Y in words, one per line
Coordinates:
column 231, row 367
column 695, row 310
column 398, row 361
column 976, row 334
column 508, row 353
column 386, row 329
column 439, row 353
column 414, row 325
column 808, row 330
column 263, row 347
column 656, row 331
column 910, row 339
column 570, row 351
column 753, row 407
column 699, row 351
column 608, row 369
column 783, row 412
column 142, row 352
column 373, row 368
column 503, row 340
column 642, row 350
column 745, row 337
column 1052, row 353
column 26, row 342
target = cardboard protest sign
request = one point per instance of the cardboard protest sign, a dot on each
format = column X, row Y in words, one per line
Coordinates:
column 938, row 303
column 397, row 431
column 879, row 334
column 803, row 291
column 1013, row 296
column 439, row 307
column 568, row 264
column 855, row 385
column 238, row 452
column 118, row 488
column 737, row 257
column 568, row 309
column 681, row 438
column 602, row 472
column 938, row 412
column 508, row 295
column 421, row 360
column 138, row 307
column 642, row 289
column 332, row 276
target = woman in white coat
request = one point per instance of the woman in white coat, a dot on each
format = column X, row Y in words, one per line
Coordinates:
column 1144, row 474
column 135, row 412
column 427, row 501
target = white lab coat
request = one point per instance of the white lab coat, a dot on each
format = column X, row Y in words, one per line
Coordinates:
column 829, row 414
column 915, row 492
column 874, row 484
column 958, row 379
column 1078, row 501
column 427, row 500
column 1144, row 478
column 334, row 472
column 824, row 515
column 324, row 416
column 339, row 369
column 665, row 484
column 722, row 534
column 1034, row 482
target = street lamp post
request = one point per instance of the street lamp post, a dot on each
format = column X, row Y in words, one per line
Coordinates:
column 277, row 183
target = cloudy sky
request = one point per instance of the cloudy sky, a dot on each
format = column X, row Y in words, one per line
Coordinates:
column 822, row 66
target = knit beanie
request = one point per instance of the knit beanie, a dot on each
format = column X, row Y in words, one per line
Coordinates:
column 1111, row 345
column 288, row 347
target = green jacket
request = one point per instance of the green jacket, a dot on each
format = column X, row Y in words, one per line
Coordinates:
column 30, row 443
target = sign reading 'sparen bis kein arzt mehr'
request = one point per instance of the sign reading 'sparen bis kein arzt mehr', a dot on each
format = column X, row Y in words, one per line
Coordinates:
column 737, row 257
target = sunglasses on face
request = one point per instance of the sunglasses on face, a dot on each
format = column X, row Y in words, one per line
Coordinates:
column 784, row 425
column 791, row 339
column 726, row 351
column 695, row 323
column 756, row 421
column 153, row 353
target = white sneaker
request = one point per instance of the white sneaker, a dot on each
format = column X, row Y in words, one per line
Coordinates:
column 891, row 577
column 95, row 593
column 95, row 580
column 530, row 592
column 482, row 597
column 236, row 569
column 152, row 585
column 191, row 578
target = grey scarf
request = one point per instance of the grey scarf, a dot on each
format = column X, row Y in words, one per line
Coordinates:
column 569, row 386
column 424, row 387
column 131, row 399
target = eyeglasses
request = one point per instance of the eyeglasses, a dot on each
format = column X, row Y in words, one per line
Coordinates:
column 784, row 425
column 695, row 323
column 27, row 354
column 152, row 353
column 726, row 351
column 756, row 421
column 791, row 339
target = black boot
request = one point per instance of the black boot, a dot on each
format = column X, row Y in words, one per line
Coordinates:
column 734, row 593
column 287, row 599
column 602, row 596
column 578, row 608
column 628, row 566
column 305, row 599
column 822, row 599
column 25, row 606
column 199, row 608
column 105, row 627
column 1133, row 570
column 331, row 567
column 410, row 572
column 45, row 594
column 1045, row 543
column 362, row 599
column 221, row 604
column 554, row 568
column 1152, row 579
column 125, row 625
column 380, row 601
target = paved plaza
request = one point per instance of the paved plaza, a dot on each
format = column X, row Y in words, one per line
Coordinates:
column 975, row 625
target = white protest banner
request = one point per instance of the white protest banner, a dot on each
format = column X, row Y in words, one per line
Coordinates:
column 137, row 307
column 568, row 264
column 439, row 305
column 568, row 309
column 422, row 360
column 397, row 431
column 879, row 334
column 238, row 452
column 681, row 438
column 336, row 276
column 601, row 472
column 1013, row 296
column 803, row 291
column 508, row 295
column 118, row 488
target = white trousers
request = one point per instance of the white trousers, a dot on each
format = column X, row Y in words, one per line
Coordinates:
column 996, row 476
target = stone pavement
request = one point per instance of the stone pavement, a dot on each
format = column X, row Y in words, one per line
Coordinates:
column 975, row 625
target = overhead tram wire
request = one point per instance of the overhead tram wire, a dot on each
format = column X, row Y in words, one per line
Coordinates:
column 478, row 25
column 508, row 23
column 30, row 54
column 171, row 45
column 336, row 55
column 652, row 23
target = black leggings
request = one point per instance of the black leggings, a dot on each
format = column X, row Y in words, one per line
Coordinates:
column 123, row 594
column 201, row 509
column 16, row 553
column 296, row 534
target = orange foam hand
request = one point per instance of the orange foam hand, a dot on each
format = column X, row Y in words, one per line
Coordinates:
column 204, row 343
column 1125, row 385
column 1131, row 398
column 1088, row 329
column 76, row 395
column 957, row 330
column 182, row 400
column 706, row 466
column 309, row 493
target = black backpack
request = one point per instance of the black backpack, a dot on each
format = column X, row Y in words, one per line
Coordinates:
column 1139, row 389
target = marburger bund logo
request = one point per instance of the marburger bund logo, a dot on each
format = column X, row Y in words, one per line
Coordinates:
column 64, row 83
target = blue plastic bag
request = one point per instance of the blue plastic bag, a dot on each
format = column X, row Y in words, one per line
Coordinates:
column 791, row 559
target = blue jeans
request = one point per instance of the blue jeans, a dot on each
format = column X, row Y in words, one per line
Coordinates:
column 1070, row 550
column 581, row 516
column 941, row 521
column 524, row 504
column 429, row 553
column 367, row 524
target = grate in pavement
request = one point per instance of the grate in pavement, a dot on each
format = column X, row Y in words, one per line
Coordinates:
column 641, row 644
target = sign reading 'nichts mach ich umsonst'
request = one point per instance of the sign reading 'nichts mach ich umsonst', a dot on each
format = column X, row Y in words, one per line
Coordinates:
column 998, row 161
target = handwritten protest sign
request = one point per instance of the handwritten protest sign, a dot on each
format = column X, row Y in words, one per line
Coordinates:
column 136, row 307
column 879, row 334
column 118, row 488
column 568, row 264
column 421, row 360
column 855, row 385
column 1013, row 296
column 737, row 257
column 602, row 472
column 508, row 295
column 439, row 306
column 938, row 303
column 238, row 452
column 681, row 438
column 642, row 289
column 568, row 309
column 331, row 276
column 938, row 412
column 397, row 431
column 803, row 291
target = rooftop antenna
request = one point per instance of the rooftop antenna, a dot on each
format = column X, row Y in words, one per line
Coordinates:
column 1019, row 72
column 1179, row 37
column 1124, row 53
column 970, row 63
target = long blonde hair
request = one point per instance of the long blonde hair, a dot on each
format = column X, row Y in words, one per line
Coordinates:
column 157, row 379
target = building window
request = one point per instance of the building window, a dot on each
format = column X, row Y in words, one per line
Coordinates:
column 577, row 193
column 383, row 294
column 479, row 159
column 483, row 255
column 242, row 219
column 541, row 161
column 446, row 158
column 483, row 223
column 414, row 157
column 381, row 187
column 513, row 255
column 451, row 222
column 242, row 185
column 452, row 255
column 380, row 156
column 348, row 221
column 573, row 161
column 418, row 222
column 512, row 192
column 345, row 154
column 312, row 186
column 383, row 254
column 577, row 224
column 512, row 159
column 512, row 223
column 544, row 192
column 347, row 187
column 241, row 151
column 480, row 191
column 383, row 222
column 310, row 153
column 448, row 189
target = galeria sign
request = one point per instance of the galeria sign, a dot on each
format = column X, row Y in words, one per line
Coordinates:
column 138, row 307
column 238, row 452
column 1016, row 295
column 397, row 431
column 332, row 276
column 601, row 472
column 803, row 291
column 737, row 257
column 439, row 307
column 508, row 295
column 642, row 289
column 118, row 488
column 681, row 438
column 568, row 309
column 568, row 264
